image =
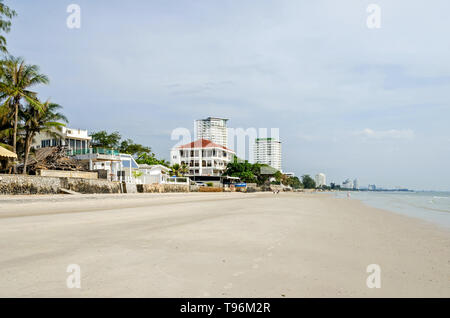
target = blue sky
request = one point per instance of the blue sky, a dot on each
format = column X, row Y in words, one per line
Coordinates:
column 349, row 101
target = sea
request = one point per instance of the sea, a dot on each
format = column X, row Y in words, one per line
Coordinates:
column 426, row 205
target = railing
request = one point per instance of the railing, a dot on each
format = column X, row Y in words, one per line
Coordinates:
column 177, row 180
column 100, row 151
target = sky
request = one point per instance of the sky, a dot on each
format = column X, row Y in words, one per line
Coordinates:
column 349, row 101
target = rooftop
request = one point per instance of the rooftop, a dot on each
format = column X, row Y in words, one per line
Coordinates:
column 202, row 143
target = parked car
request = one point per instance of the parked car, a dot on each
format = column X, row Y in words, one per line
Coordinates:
column 201, row 184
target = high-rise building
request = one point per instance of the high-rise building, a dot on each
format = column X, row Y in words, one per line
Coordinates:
column 355, row 184
column 213, row 129
column 268, row 151
column 320, row 179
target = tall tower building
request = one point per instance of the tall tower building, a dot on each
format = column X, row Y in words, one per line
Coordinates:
column 213, row 129
column 320, row 179
column 268, row 151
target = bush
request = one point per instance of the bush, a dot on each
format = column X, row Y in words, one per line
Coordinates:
column 209, row 184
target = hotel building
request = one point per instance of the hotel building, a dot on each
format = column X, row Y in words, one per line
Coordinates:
column 203, row 157
column 320, row 179
column 213, row 129
column 268, row 151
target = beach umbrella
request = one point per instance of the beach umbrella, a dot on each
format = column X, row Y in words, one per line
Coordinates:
column 6, row 154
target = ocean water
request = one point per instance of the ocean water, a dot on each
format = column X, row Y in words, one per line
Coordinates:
column 429, row 206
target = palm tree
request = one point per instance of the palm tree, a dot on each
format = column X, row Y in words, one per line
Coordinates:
column 46, row 120
column 179, row 170
column 16, row 78
column 6, row 14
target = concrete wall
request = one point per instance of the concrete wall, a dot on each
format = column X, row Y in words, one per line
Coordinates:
column 67, row 174
column 23, row 184
column 129, row 187
column 162, row 188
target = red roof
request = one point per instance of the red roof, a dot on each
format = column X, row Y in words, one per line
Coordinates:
column 203, row 143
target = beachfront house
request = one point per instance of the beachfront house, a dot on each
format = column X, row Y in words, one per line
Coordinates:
column 205, row 159
column 73, row 139
column 150, row 174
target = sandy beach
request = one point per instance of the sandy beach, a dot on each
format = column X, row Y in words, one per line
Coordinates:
column 216, row 245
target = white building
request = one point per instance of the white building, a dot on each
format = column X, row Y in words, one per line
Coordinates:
column 268, row 151
column 213, row 129
column 74, row 139
column 356, row 184
column 153, row 174
column 203, row 157
column 320, row 179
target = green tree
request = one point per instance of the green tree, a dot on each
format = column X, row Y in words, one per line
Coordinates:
column 47, row 120
column 294, row 182
column 6, row 14
column 241, row 169
column 129, row 147
column 308, row 182
column 105, row 140
column 16, row 78
column 150, row 159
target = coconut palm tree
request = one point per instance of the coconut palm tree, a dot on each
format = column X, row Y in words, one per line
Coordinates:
column 16, row 78
column 179, row 170
column 45, row 120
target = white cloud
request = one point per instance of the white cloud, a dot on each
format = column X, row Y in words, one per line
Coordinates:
column 386, row 134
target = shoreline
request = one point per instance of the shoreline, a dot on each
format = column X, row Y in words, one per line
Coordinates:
column 217, row 245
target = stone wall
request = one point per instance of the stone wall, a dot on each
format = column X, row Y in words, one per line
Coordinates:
column 90, row 186
column 23, row 184
column 162, row 188
column 18, row 184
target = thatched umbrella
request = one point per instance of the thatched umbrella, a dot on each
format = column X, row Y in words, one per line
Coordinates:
column 5, row 157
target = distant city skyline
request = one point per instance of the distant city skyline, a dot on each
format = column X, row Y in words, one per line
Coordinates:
column 348, row 100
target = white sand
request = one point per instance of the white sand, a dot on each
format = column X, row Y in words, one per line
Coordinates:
column 216, row 245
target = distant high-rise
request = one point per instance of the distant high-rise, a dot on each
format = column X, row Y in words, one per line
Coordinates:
column 213, row 129
column 355, row 184
column 268, row 151
column 320, row 179
column 347, row 184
